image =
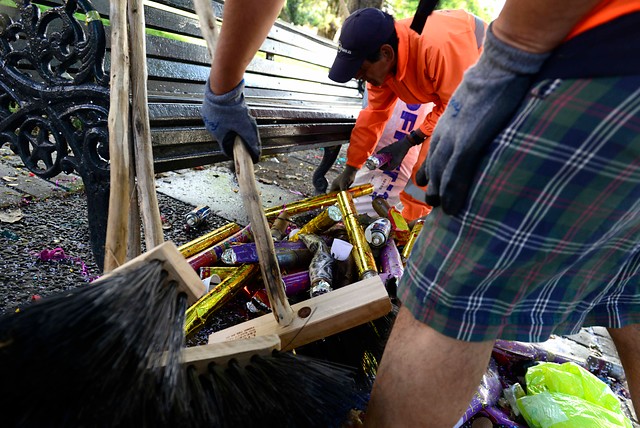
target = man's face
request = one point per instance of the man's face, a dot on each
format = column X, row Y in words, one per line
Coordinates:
column 375, row 73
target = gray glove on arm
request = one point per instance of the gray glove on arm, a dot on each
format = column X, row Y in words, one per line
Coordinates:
column 344, row 180
column 398, row 151
column 226, row 116
column 486, row 99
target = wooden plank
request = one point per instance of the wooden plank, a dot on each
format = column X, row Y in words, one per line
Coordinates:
column 318, row 317
column 187, row 92
column 190, row 113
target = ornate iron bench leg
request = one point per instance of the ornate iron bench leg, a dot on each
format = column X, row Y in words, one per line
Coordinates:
column 329, row 157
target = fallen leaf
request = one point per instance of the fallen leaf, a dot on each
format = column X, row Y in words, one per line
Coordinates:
column 11, row 215
column 7, row 178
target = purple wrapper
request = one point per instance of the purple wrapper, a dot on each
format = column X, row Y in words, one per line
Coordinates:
column 528, row 351
column 247, row 253
column 296, row 283
column 212, row 255
column 390, row 260
column 501, row 417
column 377, row 160
column 488, row 392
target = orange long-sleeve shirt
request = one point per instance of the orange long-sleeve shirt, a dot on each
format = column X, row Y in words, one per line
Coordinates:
column 429, row 68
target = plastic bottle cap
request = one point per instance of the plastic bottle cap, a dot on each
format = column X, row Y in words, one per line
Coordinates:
column 377, row 240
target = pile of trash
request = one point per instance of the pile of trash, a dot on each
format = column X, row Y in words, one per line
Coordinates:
column 323, row 244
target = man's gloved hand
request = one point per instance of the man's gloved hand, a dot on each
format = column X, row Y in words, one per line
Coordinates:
column 398, row 151
column 483, row 103
column 226, row 116
column 344, row 180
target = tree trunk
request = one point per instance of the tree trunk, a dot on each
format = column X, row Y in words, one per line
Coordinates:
column 354, row 5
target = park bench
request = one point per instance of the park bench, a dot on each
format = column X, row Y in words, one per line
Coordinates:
column 54, row 93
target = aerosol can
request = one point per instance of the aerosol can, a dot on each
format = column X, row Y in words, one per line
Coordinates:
column 197, row 217
column 378, row 232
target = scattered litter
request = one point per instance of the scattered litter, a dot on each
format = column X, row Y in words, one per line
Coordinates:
column 9, row 235
column 273, row 159
column 9, row 179
column 11, row 215
column 58, row 255
column 166, row 223
column 265, row 181
column 55, row 254
column 295, row 192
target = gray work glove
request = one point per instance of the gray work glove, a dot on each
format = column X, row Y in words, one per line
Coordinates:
column 398, row 151
column 344, row 180
column 226, row 116
column 480, row 107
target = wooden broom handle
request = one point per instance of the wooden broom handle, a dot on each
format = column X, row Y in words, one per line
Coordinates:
column 261, row 235
column 115, row 247
column 146, row 183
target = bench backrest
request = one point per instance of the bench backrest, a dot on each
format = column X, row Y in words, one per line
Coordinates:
column 287, row 87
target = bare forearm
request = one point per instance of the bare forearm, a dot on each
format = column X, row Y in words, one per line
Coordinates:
column 246, row 25
column 539, row 26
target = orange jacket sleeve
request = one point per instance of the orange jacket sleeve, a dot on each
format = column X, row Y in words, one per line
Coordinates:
column 370, row 124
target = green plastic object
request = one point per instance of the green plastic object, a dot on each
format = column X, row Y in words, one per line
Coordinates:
column 568, row 396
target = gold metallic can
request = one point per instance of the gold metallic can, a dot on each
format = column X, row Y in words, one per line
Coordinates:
column 316, row 202
column 206, row 241
column 362, row 254
column 199, row 313
column 415, row 231
column 323, row 221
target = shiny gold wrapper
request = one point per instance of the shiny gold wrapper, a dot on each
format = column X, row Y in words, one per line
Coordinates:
column 223, row 272
column 206, row 241
column 362, row 254
column 323, row 221
column 412, row 239
column 198, row 313
column 317, row 202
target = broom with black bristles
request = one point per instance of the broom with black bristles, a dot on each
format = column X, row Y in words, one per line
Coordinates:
column 108, row 354
column 112, row 354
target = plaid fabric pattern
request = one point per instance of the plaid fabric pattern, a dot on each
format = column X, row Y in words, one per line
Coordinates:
column 549, row 240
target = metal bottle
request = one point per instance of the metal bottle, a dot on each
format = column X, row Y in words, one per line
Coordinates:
column 377, row 160
column 378, row 232
column 196, row 217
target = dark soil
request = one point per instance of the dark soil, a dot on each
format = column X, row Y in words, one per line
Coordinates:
column 49, row 251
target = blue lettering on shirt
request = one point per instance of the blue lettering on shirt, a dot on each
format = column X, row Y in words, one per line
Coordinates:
column 409, row 120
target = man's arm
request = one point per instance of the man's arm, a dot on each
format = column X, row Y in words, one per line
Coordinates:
column 224, row 111
column 245, row 27
column 370, row 124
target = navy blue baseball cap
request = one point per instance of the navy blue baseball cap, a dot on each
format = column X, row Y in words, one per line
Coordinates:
column 363, row 32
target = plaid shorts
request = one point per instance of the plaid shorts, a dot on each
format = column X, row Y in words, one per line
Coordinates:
column 549, row 240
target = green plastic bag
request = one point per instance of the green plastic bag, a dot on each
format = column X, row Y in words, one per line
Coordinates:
column 568, row 396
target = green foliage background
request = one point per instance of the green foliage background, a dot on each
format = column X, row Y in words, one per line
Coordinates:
column 326, row 16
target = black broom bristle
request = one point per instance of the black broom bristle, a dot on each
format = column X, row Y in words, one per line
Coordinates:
column 90, row 357
column 278, row 390
column 86, row 357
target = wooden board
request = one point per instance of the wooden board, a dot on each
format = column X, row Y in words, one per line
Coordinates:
column 318, row 317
